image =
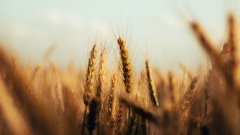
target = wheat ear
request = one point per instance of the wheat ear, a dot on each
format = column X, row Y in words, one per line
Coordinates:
column 126, row 66
column 151, row 87
column 89, row 86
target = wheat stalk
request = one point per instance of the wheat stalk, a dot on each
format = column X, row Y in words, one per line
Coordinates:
column 232, row 42
column 126, row 66
column 93, row 115
column 101, row 75
column 151, row 87
column 211, row 52
column 150, row 116
column 100, row 84
column 111, row 100
column 89, row 86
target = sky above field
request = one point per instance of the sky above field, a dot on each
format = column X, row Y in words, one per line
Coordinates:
column 155, row 29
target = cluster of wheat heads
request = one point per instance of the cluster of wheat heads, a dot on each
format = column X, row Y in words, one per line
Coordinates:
column 48, row 100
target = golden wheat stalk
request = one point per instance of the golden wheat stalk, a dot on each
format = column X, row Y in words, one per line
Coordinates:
column 144, row 113
column 232, row 41
column 111, row 100
column 126, row 66
column 89, row 86
column 119, row 119
column 151, row 87
column 211, row 52
column 133, row 124
column 171, row 87
column 101, row 75
column 187, row 97
column 100, row 85
column 93, row 115
column 186, row 71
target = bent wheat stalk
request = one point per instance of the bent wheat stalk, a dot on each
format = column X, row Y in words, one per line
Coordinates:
column 232, row 42
column 211, row 52
column 142, row 112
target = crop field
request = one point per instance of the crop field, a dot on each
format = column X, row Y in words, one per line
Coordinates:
column 45, row 99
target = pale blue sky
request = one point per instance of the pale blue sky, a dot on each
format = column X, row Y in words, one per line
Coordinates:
column 153, row 28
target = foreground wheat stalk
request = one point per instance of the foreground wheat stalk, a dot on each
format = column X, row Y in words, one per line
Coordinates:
column 89, row 86
column 126, row 66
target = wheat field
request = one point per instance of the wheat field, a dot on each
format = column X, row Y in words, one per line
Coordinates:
column 50, row 100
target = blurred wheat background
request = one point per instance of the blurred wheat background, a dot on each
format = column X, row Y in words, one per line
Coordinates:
column 119, row 68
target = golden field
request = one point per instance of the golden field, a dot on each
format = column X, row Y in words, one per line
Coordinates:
column 49, row 100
